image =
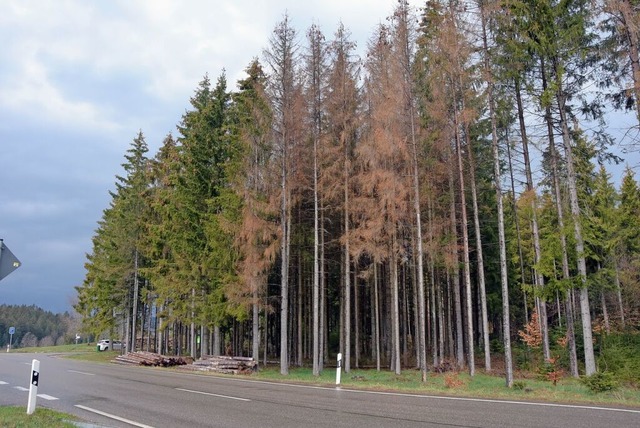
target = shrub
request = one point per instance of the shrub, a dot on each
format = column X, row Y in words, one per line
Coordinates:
column 452, row 380
column 519, row 385
column 619, row 355
column 600, row 382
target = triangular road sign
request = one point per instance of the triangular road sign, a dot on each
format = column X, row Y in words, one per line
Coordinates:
column 8, row 262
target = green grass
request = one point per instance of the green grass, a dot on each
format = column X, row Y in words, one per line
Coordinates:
column 568, row 390
column 81, row 347
column 85, row 352
column 99, row 357
column 42, row 418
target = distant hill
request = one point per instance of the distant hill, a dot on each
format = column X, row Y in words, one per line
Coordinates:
column 35, row 327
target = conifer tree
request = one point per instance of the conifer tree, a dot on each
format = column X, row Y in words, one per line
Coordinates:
column 281, row 59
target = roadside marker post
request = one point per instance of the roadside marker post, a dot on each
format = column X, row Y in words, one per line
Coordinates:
column 33, row 387
column 339, row 369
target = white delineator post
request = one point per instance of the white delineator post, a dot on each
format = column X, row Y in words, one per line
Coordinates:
column 339, row 369
column 33, row 387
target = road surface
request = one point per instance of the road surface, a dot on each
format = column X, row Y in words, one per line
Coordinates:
column 122, row 396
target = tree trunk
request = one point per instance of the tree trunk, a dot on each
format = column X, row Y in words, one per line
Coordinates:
column 347, row 269
column 284, row 274
column 480, row 259
column 216, row 341
column 395, row 313
column 589, row 357
column 465, row 251
column 619, row 293
column 459, row 349
column 255, row 324
column 134, row 314
column 376, row 304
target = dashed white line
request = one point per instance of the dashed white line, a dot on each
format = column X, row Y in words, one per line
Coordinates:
column 47, row 397
column 21, row 388
column 82, row 373
column 109, row 415
column 436, row 397
column 3, row 382
column 213, row 395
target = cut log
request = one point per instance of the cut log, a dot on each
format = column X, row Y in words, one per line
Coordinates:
column 141, row 358
column 223, row 364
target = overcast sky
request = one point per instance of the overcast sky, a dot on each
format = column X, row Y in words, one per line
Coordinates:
column 78, row 79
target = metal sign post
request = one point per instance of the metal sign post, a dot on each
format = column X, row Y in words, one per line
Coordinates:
column 12, row 331
column 33, row 387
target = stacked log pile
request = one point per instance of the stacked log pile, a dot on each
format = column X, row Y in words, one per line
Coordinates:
column 141, row 358
column 223, row 364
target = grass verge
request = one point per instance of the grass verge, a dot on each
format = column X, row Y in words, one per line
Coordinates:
column 567, row 390
column 83, row 347
column 42, row 418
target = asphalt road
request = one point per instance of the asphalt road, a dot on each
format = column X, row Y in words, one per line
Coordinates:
column 120, row 396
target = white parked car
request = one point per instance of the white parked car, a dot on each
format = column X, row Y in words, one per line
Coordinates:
column 105, row 344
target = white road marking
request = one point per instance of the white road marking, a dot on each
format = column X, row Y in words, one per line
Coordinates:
column 47, row 397
column 82, row 373
column 109, row 415
column 435, row 397
column 213, row 395
column 3, row 382
column 21, row 388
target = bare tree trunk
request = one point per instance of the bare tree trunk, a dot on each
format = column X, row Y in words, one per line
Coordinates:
column 376, row 304
column 605, row 313
column 459, row 349
column 299, row 313
column 504, row 279
column 323, row 301
column 356, row 324
column 216, row 341
column 619, row 293
column 316, row 269
column 284, row 269
column 255, row 324
column 432, row 283
column 134, row 314
column 465, row 251
column 480, row 259
column 527, row 165
column 589, row 357
column 395, row 315
column 347, row 268
column 571, row 339
column 404, row 32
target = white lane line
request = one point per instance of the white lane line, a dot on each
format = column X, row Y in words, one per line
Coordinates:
column 21, row 388
column 434, row 397
column 488, row 400
column 109, row 415
column 3, row 382
column 82, row 373
column 213, row 395
column 47, row 397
